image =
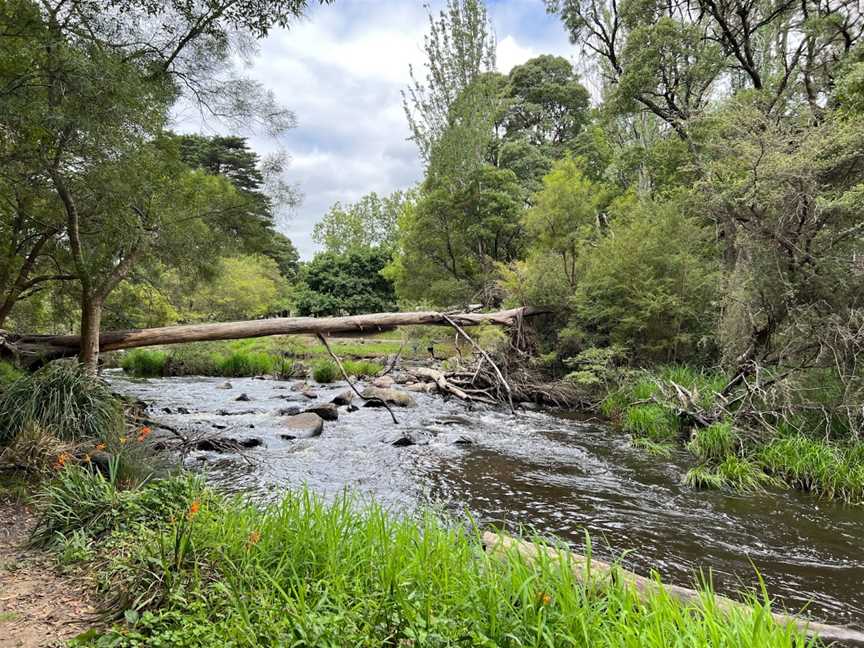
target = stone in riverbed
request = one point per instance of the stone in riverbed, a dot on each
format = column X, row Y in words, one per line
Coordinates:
column 327, row 411
column 311, row 395
column 244, row 398
column 288, row 411
column 384, row 382
column 225, row 385
column 302, row 426
column 343, row 398
column 407, row 439
column 390, row 396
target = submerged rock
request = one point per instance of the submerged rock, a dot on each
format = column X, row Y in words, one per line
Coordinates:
column 464, row 441
column 225, row 444
column 183, row 410
column 308, row 393
column 409, row 438
column 303, row 426
column 343, row 398
column 243, row 398
column 225, row 385
column 327, row 411
column 390, row 396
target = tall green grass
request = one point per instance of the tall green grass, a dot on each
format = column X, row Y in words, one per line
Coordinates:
column 304, row 573
column 204, row 361
column 63, row 400
column 144, row 363
column 325, row 371
column 829, row 470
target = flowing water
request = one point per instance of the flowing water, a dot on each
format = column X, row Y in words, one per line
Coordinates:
column 551, row 473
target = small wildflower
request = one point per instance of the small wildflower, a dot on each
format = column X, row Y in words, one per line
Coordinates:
column 143, row 433
column 544, row 598
column 254, row 538
column 61, row 460
column 100, row 446
column 194, row 507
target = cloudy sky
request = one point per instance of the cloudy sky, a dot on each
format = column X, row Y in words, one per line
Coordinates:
column 341, row 71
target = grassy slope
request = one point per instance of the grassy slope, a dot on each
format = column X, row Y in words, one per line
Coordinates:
column 190, row 568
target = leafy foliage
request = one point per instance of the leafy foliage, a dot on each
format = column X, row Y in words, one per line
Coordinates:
column 346, row 284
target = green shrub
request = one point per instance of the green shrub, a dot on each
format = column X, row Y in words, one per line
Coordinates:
column 325, row 371
column 735, row 473
column 827, row 469
column 715, row 442
column 362, row 368
column 245, row 363
column 651, row 420
column 144, row 363
column 62, row 399
column 9, row 373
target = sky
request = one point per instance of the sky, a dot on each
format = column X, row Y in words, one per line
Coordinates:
column 341, row 70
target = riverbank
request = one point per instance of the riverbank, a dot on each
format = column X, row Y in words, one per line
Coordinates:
column 180, row 565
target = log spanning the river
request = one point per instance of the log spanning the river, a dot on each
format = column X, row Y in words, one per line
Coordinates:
column 49, row 347
column 584, row 569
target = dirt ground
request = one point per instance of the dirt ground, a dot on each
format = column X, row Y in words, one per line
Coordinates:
column 39, row 606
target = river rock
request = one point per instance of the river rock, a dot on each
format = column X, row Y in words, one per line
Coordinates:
column 244, row 398
column 463, row 441
column 390, row 396
column 303, row 426
column 182, row 410
column 225, row 385
column 352, row 408
column 311, row 395
column 343, row 398
column 327, row 411
column 384, row 382
column 288, row 411
column 409, row 438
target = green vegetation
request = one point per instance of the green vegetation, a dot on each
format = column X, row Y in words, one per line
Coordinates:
column 831, row 470
column 186, row 567
column 144, row 363
column 63, row 400
column 9, row 373
column 325, row 371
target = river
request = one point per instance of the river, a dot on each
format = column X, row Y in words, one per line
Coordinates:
column 546, row 472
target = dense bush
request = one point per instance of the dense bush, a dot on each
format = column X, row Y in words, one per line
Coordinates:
column 325, row 371
column 63, row 400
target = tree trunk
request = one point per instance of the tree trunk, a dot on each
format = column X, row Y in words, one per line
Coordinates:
column 91, row 321
column 35, row 348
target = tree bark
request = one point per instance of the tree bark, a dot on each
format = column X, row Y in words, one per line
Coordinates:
column 35, row 348
column 91, row 321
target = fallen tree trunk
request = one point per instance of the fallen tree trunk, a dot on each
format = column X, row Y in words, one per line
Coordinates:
column 50, row 347
column 584, row 569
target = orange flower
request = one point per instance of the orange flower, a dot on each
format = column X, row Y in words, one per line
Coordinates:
column 543, row 598
column 61, row 460
column 254, row 537
column 194, row 507
column 100, row 446
column 143, row 433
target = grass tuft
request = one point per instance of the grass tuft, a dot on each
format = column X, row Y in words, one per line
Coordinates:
column 325, row 371
column 63, row 400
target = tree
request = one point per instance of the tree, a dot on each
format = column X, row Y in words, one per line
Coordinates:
column 459, row 48
column 244, row 287
column 345, row 284
column 98, row 83
column 368, row 223
column 452, row 240
column 567, row 216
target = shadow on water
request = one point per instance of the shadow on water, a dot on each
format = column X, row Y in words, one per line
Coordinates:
column 547, row 473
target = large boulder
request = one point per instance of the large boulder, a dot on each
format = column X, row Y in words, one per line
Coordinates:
column 327, row 411
column 373, row 396
column 302, row 426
